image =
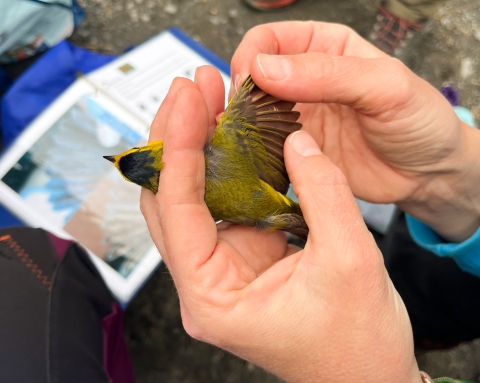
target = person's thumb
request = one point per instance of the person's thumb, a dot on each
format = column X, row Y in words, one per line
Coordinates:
column 325, row 198
column 318, row 77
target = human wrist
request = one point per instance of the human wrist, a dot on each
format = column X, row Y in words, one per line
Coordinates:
column 448, row 200
column 303, row 374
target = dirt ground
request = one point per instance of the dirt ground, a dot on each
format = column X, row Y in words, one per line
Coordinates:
column 447, row 50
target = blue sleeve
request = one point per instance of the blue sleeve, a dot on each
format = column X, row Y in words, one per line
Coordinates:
column 466, row 253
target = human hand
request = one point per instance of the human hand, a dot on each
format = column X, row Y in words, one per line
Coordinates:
column 327, row 313
column 393, row 135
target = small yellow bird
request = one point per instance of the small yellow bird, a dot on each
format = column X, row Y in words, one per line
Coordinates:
column 245, row 176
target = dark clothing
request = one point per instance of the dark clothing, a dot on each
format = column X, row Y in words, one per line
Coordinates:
column 60, row 324
column 58, row 321
column 443, row 301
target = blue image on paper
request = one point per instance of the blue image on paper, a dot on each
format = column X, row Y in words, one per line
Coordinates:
column 66, row 163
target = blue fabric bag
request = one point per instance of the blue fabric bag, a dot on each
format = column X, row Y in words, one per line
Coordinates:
column 54, row 72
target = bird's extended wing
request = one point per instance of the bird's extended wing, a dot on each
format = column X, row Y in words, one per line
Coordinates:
column 268, row 121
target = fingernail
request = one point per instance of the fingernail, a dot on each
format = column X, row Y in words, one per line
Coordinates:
column 195, row 76
column 231, row 91
column 234, row 85
column 304, row 144
column 274, row 68
column 238, row 81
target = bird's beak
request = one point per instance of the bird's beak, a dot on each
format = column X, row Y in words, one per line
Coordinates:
column 110, row 158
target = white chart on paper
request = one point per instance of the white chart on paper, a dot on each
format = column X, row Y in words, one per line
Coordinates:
column 140, row 79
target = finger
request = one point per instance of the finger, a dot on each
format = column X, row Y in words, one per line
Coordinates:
column 149, row 208
column 317, row 77
column 148, row 203
column 330, row 210
column 188, row 229
column 157, row 129
column 296, row 37
column 210, row 84
column 260, row 39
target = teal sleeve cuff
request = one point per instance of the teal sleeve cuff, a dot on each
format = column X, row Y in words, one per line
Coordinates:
column 465, row 115
column 466, row 253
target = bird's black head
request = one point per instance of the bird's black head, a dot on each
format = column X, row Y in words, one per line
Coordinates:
column 139, row 165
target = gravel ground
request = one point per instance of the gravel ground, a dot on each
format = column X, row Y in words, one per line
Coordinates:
column 446, row 51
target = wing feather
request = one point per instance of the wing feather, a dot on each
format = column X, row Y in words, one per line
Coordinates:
column 268, row 121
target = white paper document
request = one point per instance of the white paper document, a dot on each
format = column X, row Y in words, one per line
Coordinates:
column 54, row 176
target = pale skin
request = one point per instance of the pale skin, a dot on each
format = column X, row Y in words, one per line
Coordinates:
column 327, row 313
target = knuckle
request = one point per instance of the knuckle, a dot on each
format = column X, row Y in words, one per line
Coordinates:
column 360, row 255
column 342, row 29
column 262, row 39
column 316, row 66
column 324, row 182
column 349, row 267
column 403, row 86
column 328, row 68
column 321, row 178
column 346, row 29
column 324, row 173
column 397, row 66
column 252, row 32
column 255, row 31
column 179, row 82
column 193, row 329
